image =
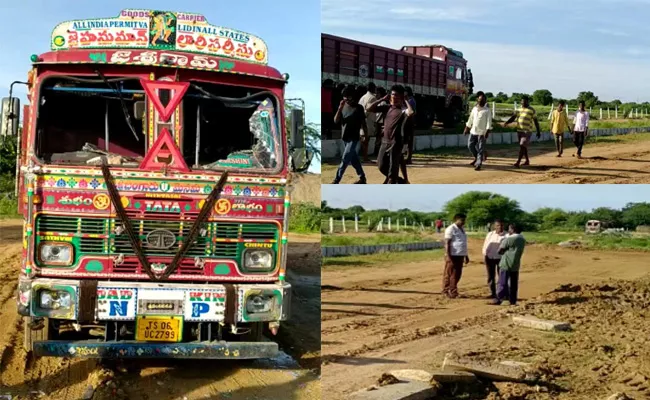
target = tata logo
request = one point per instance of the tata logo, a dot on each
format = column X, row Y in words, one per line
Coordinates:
column 161, row 239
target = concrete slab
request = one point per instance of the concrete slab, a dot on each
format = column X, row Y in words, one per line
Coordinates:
column 398, row 391
column 493, row 371
column 437, row 141
column 453, row 377
column 530, row 321
column 409, row 375
column 422, row 143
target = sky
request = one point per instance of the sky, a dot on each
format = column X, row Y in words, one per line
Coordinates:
column 290, row 28
column 433, row 197
column 517, row 45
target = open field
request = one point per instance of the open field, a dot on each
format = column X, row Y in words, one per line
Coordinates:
column 386, row 312
column 293, row 375
column 608, row 159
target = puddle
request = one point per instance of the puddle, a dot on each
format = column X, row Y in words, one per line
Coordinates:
column 281, row 361
column 306, row 280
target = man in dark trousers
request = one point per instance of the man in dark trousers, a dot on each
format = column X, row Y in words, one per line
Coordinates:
column 511, row 250
column 526, row 119
column 393, row 147
column 379, row 122
column 352, row 118
column 491, row 247
column 455, row 255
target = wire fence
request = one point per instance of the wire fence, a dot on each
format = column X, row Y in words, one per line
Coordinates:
column 386, row 225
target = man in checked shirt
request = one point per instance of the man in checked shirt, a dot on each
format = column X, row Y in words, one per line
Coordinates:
column 581, row 128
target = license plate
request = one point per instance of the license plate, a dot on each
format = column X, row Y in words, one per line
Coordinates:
column 157, row 328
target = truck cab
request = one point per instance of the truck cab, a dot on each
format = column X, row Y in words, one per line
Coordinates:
column 153, row 180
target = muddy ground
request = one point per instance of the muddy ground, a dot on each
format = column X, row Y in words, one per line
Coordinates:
column 619, row 160
column 378, row 317
column 294, row 375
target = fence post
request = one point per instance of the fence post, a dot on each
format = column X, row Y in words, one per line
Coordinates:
column 356, row 223
column 380, row 225
column 636, row 112
column 608, row 116
column 389, row 223
column 343, row 221
column 601, row 113
column 616, row 112
column 494, row 109
column 397, row 225
column 331, row 225
column 550, row 113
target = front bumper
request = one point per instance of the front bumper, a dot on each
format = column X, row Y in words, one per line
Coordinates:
column 131, row 349
column 123, row 301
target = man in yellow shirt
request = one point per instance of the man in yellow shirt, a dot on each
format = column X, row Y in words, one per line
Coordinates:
column 559, row 121
column 526, row 118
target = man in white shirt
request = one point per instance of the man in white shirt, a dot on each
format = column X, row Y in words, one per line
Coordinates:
column 581, row 128
column 492, row 257
column 479, row 125
column 367, row 99
column 455, row 255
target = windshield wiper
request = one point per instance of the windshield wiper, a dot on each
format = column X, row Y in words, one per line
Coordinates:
column 125, row 110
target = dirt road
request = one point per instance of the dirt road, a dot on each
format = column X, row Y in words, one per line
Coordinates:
column 294, row 375
column 383, row 317
column 610, row 160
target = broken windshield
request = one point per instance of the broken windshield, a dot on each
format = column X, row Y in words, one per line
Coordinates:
column 81, row 120
column 231, row 128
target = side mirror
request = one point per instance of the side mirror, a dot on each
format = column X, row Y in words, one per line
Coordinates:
column 297, row 129
column 10, row 116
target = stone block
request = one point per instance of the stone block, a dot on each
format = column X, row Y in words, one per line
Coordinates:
column 492, row 371
column 530, row 321
column 398, row 391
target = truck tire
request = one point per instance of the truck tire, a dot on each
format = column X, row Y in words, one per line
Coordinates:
column 32, row 336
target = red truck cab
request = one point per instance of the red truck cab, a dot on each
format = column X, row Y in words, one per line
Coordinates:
column 153, row 177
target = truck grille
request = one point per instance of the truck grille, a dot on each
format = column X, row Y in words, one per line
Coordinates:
column 221, row 240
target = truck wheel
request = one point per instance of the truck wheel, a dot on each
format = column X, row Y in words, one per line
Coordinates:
column 32, row 336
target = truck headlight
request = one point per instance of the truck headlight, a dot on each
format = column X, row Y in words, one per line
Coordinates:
column 260, row 304
column 54, row 299
column 258, row 260
column 55, row 253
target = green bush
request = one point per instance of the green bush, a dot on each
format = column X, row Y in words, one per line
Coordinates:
column 304, row 217
column 8, row 208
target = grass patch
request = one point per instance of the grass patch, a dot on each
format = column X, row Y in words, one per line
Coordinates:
column 8, row 208
column 304, row 218
column 384, row 259
column 374, row 239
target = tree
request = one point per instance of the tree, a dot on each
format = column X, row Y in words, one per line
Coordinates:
column 636, row 214
column 501, row 98
column 483, row 207
column 516, row 97
column 543, row 97
column 489, row 95
column 608, row 216
column 589, row 98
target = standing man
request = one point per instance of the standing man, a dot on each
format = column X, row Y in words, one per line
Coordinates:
column 439, row 225
column 392, row 147
column 379, row 122
column 368, row 98
column 511, row 250
column 479, row 125
column 455, row 255
column 353, row 120
column 559, row 121
column 410, row 129
column 581, row 127
column 491, row 248
column 525, row 117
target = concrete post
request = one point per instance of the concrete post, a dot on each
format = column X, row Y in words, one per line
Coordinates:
column 608, row 115
column 494, row 109
column 616, row 112
column 601, row 113
column 343, row 222
column 356, row 223
column 389, row 223
column 397, row 225
column 331, row 225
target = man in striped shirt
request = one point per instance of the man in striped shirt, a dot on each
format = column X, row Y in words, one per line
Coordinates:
column 526, row 118
column 581, row 128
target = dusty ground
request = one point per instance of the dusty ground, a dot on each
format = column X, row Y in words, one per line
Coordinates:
column 613, row 160
column 306, row 188
column 382, row 316
column 294, row 375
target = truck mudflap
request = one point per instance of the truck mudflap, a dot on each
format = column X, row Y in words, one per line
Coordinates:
column 132, row 349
